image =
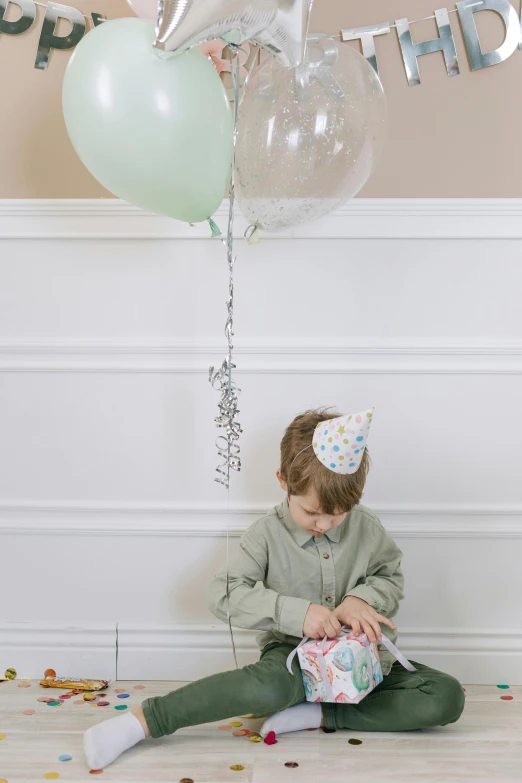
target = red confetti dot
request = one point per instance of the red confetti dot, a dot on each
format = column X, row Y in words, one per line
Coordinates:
column 506, row 698
column 95, row 771
column 270, row 738
column 310, row 729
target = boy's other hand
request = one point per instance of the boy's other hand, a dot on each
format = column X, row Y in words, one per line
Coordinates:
column 360, row 616
column 319, row 622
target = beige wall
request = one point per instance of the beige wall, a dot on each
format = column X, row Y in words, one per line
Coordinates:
column 457, row 137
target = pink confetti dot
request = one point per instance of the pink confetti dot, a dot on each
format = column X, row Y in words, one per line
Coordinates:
column 120, row 690
column 28, row 712
column 139, row 687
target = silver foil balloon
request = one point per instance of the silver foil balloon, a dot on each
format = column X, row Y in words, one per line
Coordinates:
column 280, row 26
column 308, row 138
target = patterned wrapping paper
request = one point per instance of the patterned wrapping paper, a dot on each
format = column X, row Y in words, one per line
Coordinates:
column 342, row 670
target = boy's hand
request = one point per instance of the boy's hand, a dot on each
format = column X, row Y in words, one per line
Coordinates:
column 361, row 616
column 319, row 622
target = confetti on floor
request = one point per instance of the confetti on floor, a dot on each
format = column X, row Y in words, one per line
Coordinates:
column 25, row 685
column 139, row 687
column 236, row 723
column 255, row 738
column 237, row 767
column 506, row 698
column 355, row 742
column 310, row 729
column 28, row 712
column 54, row 703
column 123, row 695
column 2, row 736
column 186, row 780
column 502, row 686
column 95, row 771
column 120, row 707
column 270, row 738
column 52, row 775
column 103, row 703
column 225, row 728
column 291, row 764
column 65, row 757
column 240, row 733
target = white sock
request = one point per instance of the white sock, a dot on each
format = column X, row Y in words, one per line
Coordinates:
column 107, row 740
column 306, row 715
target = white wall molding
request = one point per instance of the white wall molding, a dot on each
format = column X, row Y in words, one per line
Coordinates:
column 189, row 652
column 194, row 520
column 72, row 651
column 360, row 218
column 273, row 357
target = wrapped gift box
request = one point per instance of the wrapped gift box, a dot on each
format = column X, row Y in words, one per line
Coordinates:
column 344, row 669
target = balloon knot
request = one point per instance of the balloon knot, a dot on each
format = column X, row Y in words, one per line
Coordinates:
column 214, row 228
column 252, row 235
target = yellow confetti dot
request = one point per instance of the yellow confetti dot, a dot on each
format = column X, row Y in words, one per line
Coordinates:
column 345, row 440
column 235, row 723
column 255, row 739
column 2, row 736
column 51, row 775
column 237, row 767
column 3, row 781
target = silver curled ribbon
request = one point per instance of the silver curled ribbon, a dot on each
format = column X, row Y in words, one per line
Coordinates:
column 222, row 379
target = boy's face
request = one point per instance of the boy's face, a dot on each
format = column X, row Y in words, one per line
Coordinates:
column 307, row 514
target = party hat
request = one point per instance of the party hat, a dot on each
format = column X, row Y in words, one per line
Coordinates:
column 340, row 443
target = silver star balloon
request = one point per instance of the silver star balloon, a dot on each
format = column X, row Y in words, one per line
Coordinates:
column 280, row 26
column 285, row 38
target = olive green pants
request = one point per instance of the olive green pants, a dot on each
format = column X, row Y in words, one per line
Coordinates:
column 403, row 700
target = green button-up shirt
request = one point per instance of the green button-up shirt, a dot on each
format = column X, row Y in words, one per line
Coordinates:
column 281, row 569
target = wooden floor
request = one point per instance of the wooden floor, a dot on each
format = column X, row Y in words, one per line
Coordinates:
column 485, row 744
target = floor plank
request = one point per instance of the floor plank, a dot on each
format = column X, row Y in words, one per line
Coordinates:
column 485, row 744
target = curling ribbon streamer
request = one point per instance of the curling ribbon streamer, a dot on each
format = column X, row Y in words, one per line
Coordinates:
column 227, row 447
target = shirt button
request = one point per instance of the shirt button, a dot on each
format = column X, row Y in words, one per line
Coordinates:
column 326, row 555
column 329, row 598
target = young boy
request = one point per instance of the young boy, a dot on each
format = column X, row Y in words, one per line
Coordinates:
column 317, row 561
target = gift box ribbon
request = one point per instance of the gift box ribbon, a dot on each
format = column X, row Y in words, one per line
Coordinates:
column 322, row 663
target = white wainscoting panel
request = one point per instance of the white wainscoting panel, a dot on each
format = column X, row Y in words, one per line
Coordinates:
column 109, row 512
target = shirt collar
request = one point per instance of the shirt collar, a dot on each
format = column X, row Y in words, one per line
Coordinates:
column 300, row 535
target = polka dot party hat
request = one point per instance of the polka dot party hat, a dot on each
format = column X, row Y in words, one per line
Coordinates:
column 340, row 443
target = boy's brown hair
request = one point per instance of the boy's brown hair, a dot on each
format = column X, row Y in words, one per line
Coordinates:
column 336, row 492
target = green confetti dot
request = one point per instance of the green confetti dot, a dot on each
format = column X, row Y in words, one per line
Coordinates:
column 355, row 742
column 120, row 707
column 502, row 686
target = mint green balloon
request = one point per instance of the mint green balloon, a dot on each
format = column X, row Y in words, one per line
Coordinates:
column 155, row 129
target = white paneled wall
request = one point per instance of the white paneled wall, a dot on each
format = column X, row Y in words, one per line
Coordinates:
column 111, row 523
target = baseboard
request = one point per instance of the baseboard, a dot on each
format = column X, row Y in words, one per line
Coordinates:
column 189, row 652
column 75, row 651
